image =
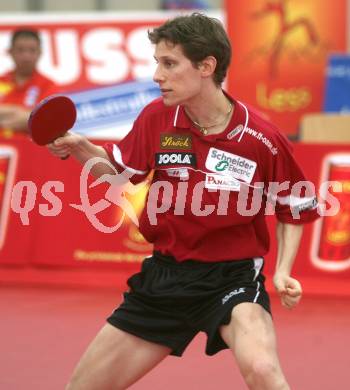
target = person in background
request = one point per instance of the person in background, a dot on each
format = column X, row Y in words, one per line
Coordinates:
column 184, row 4
column 23, row 87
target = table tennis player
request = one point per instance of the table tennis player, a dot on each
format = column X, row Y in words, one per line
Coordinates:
column 214, row 161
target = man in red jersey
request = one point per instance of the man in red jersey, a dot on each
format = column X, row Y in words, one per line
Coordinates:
column 22, row 88
column 216, row 166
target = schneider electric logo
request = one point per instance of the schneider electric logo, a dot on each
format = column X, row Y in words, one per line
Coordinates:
column 221, row 166
column 239, row 167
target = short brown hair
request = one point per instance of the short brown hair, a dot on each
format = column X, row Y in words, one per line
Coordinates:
column 199, row 36
column 26, row 33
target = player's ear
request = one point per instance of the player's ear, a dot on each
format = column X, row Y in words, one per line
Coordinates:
column 207, row 66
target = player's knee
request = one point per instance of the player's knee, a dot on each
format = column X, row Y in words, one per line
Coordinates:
column 76, row 383
column 264, row 372
column 69, row 386
column 73, row 384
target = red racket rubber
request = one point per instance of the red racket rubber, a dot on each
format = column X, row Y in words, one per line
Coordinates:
column 51, row 119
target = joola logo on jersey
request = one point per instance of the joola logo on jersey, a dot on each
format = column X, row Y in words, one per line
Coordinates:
column 230, row 164
column 175, row 141
column 175, row 159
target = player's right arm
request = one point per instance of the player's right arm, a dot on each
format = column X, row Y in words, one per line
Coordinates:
column 132, row 156
column 82, row 150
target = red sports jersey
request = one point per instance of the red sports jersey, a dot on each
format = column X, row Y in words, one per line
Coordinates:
column 208, row 197
column 26, row 95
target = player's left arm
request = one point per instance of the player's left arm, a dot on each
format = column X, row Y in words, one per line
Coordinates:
column 288, row 240
column 296, row 205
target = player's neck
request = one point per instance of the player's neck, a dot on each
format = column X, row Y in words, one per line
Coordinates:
column 212, row 113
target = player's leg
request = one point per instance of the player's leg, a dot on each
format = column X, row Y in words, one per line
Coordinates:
column 114, row 360
column 251, row 336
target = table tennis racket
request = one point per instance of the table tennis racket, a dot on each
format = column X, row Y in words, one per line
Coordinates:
column 51, row 119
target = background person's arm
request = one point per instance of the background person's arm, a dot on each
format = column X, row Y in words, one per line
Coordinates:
column 14, row 117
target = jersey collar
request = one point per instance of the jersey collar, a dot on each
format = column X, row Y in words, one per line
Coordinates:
column 234, row 129
column 11, row 76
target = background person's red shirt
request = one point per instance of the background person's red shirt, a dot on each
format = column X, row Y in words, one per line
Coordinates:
column 26, row 95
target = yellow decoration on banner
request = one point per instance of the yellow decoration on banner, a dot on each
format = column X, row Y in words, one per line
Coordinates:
column 338, row 237
column 280, row 99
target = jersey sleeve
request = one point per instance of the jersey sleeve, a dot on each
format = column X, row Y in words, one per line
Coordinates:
column 132, row 153
column 292, row 194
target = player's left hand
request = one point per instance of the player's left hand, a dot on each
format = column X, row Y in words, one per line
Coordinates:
column 289, row 290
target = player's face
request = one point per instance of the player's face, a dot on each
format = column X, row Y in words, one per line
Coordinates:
column 178, row 79
column 25, row 53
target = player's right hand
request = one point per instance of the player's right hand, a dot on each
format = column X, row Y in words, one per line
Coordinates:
column 65, row 145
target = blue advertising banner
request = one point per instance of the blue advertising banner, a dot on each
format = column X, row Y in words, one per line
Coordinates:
column 109, row 112
column 337, row 95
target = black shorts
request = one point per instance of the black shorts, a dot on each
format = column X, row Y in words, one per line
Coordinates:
column 169, row 302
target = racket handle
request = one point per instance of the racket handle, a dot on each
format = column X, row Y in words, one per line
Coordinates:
column 65, row 157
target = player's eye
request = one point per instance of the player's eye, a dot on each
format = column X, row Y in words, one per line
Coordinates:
column 169, row 64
